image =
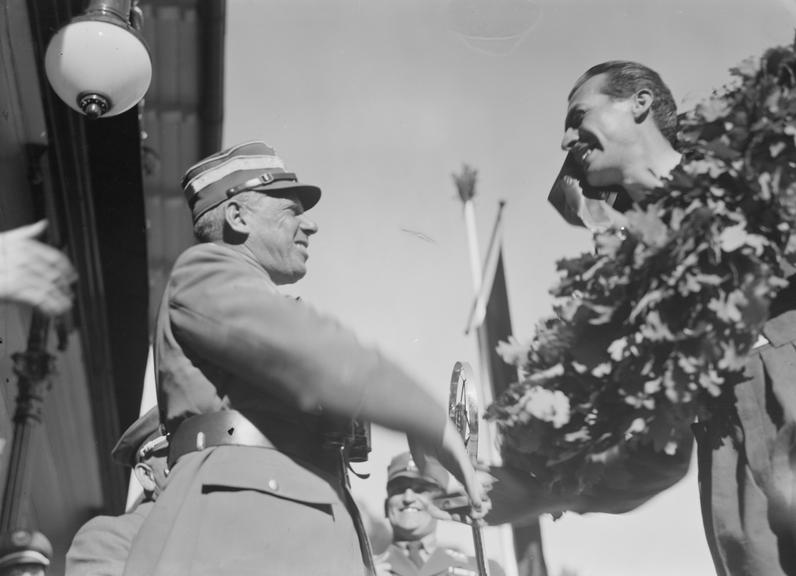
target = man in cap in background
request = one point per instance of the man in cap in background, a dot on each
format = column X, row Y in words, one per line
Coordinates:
column 248, row 380
column 408, row 507
column 101, row 546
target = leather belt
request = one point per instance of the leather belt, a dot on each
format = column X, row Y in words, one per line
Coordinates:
column 231, row 428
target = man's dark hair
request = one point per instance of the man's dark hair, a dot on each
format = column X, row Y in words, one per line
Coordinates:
column 624, row 78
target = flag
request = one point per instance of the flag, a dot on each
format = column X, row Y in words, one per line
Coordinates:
column 490, row 316
column 496, row 326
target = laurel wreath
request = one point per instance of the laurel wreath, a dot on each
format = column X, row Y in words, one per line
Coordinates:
column 651, row 331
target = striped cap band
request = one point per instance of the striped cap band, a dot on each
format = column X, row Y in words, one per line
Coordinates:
column 207, row 182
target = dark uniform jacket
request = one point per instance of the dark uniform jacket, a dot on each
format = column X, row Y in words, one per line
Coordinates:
column 227, row 339
column 101, row 546
column 747, row 485
column 443, row 561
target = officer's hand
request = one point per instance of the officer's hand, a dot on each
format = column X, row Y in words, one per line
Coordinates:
column 450, row 452
column 34, row 273
column 454, row 505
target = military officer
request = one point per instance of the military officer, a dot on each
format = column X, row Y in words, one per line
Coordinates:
column 248, row 381
column 414, row 550
column 101, row 546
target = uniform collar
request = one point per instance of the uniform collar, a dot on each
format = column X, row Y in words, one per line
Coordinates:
column 427, row 545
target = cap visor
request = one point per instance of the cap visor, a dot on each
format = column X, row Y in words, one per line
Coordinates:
column 426, row 481
column 307, row 194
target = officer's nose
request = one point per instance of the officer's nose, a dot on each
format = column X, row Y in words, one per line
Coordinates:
column 569, row 139
column 408, row 495
column 309, row 227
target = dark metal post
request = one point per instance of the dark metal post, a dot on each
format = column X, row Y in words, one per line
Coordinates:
column 23, row 550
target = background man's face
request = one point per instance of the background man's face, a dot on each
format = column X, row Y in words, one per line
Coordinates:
column 601, row 133
column 408, row 501
column 159, row 466
column 279, row 236
column 152, row 472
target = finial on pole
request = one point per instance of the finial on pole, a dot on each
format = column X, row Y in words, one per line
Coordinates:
column 465, row 182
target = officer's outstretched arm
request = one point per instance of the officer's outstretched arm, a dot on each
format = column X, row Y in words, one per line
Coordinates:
column 223, row 312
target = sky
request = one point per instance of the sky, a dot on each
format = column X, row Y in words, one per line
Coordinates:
column 380, row 101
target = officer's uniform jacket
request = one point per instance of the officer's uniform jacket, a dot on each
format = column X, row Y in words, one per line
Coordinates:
column 101, row 546
column 227, row 339
column 442, row 561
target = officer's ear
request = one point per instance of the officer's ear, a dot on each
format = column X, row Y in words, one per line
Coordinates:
column 145, row 476
column 236, row 216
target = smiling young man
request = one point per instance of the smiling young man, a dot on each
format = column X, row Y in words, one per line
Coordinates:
column 414, row 550
column 620, row 131
column 621, row 126
column 253, row 387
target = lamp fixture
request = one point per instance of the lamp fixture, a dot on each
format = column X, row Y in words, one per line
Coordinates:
column 98, row 63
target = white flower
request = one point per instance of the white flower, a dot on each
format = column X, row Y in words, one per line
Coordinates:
column 733, row 237
column 552, row 372
column 711, row 166
column 687, row 364
column 578, row 367
column 729, row 309
column 714, row 108
column 638, row 425
column 710, row 381
column 731, row 360
column 547, row 405
column 654, row 329
column 640, row 402
column 617, row 349
column 514, row 351
column 652, row 386
column 582, row 434
column 776, row 148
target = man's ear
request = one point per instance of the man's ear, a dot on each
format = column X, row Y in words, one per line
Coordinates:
column 642, row 103
column 236, row 217
column 145, row 476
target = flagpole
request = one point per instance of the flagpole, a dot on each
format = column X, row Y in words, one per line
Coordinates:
column 465, row 186
column 472, row 243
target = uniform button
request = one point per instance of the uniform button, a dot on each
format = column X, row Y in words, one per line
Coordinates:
column 273, row 485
